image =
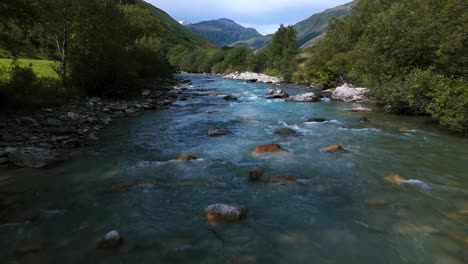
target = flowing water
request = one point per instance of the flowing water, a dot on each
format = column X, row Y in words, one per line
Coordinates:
column 341, row 211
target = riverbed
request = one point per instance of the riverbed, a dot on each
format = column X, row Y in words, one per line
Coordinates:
column 342, row 210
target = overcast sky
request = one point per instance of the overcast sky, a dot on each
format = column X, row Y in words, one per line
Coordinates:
column 263, row 15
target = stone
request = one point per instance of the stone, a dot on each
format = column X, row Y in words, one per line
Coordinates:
column 305, row 97
column 54, row 122
column 317, row 120
column 347, row 93
column 216, row 132
column 93, row 137
column 334, row 148
column 395, row 178
column 277, row 94
column 34, row 157
column 284, row 131
column 269, row 148
column 94, row 100
column 223, row 212
column 255, row 175
column 146, row 92
column 253, row 77
column 405, row 130
column 363, row 119
column 230, row 98
column 30, row 120
column 361, row 109
column 4, row 161
column 70, row 143
column 284, row 179
column 186, row 157
column 111, row 240
column 73, row 116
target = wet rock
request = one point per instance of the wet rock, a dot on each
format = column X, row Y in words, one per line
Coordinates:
column 30, row 120
column 216, row 132
column 146, row 92
column 146, row 184
column 363, row 119
column 409, row 228
column 34, row 157
column 70, row 143
column 317, row 120
column 284, row 179
column 111, row 240
column 242, row 260
column 73, row 116
column 230, row 98
column 186, row 157
column 395, row 178
column 405, row 130
column 94, row 100
column 269, row 148
column 284, row 131
column 376, row 203
column 4, row 161
column 361, row 109
column 54, row 122
column 223, row 212
column 118, row 187
column 277, row 94
column 256, row 175
column 334, row 148
column 306, row 97
column 349, row 94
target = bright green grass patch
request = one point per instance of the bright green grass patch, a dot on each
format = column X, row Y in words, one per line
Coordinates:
column 43, row 68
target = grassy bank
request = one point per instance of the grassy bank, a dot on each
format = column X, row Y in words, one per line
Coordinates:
column 42, row 68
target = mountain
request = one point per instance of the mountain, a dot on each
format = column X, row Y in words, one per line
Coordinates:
column 223, row 31
column 173, row 31
column 308, row 31
column 311, row 29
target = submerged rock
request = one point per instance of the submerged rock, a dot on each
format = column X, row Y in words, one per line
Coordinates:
column 118, row 187
column 230, row 98
column 223, row 212
column 349, row 94
column 405, row 130
column 284, row 131
column 284, row 179
column 256, row 175
column 269, row 148
column 186, row 157
column 34, row 157
column 395, row 178
column 216, row 132
column 277, row 94
column 305, row 97
column 333, row 148
column 318, row 120
column 111, row 240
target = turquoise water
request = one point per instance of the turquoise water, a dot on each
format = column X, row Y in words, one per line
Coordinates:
column 341, row 211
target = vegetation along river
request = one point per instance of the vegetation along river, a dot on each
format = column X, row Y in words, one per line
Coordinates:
column 334, row 208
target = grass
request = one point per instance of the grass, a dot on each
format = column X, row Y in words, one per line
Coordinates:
column 43, row 68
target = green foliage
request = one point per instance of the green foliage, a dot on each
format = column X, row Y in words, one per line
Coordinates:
column 42, row 68
column 411, row 53
column 20, row 88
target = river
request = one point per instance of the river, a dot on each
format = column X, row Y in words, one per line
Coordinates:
column 341, row 211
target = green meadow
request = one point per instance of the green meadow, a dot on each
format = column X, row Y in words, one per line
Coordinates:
column 43, row 68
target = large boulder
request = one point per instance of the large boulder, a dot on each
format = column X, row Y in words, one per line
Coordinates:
column 223, row 212
column 34, row 157
column 347, row 93
column 268, row 148
column 305, row 97
column 277, row 94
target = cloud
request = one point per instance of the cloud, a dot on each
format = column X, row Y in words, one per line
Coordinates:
column 262, row 14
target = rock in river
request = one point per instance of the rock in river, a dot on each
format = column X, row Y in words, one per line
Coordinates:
column 395, row 178
column 348, row 93
column 277, row 94
column 306, row 97
column 216, row 132
column 256, row 175
column 284, row 131
column 333, row 148
column 223, row 212
column 230, row 98
column 111, row 240
column 186, row 157
column 269, row 148
column 34, row 157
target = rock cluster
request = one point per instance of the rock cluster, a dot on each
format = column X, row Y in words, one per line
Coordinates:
column 35, row 140
column 348, row 93
column 253, row 77
column 273, row 94
column 223, row 212
column 305, row 97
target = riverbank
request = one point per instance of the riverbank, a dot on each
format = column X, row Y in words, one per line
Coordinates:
column 37, row 139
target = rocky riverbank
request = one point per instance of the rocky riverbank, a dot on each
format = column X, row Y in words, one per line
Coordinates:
column 37, row 139
column 253, row 77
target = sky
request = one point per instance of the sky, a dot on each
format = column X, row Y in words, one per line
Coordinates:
column 263, row 15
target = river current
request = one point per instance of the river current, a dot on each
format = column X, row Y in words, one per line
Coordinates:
column 342, row 210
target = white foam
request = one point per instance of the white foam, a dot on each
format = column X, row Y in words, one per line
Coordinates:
column 152, row 164
column 417, row 182
column 325, row 122
column 360, row 129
